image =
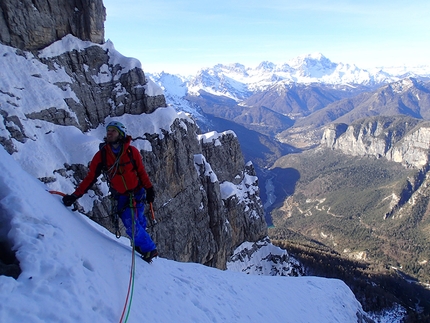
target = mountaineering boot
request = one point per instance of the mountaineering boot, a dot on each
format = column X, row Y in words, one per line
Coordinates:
column 136, row 248
column 148, row 256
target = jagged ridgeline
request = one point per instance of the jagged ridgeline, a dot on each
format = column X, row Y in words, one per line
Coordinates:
column 364, row 193
column 61, row 82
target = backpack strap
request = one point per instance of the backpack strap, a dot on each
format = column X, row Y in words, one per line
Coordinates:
column 104, row 162
column 131, row 157
column 102, row 148
column 103, row 156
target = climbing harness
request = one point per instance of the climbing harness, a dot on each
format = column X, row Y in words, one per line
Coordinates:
column 110, row 172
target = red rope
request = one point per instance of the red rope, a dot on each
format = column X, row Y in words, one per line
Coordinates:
column 129, row 286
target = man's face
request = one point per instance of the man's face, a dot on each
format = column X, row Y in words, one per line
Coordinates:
column 112, row 135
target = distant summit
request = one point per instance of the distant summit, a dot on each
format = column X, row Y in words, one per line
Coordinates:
column 313, row 65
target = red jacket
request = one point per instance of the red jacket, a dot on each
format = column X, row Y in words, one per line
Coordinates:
column 123, row 176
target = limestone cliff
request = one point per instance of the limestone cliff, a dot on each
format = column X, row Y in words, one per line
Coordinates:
column 401, row 139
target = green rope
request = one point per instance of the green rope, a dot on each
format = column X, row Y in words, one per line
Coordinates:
column 133, row 228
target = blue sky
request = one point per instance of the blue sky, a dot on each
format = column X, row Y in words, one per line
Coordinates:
column 181, row 36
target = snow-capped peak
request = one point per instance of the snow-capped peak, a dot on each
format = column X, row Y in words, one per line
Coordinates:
column 235, row 68
column 311, row 60
column 266, row 66
column 313, row 65
column 170, row 83
column 402, row 85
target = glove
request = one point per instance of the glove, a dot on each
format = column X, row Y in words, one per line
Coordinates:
column 68, row 200
column 150, row 195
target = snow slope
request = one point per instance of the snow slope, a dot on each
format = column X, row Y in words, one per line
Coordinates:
column 75, row 271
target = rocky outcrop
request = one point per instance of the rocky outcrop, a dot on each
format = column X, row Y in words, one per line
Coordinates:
column 263, row 258
column 35, row 24
column 400, row 139
column 97, row 80
column 89, row 80
column 198, row 221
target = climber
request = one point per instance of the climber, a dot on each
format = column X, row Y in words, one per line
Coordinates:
column 129, row 185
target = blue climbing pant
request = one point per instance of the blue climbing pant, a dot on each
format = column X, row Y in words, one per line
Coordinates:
column 130, row 208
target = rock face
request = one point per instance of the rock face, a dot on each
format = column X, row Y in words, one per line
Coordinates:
column 198, row 222
column 400, row 139
column 35, row 24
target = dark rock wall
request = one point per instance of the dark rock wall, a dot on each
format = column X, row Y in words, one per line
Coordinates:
column 35, row 24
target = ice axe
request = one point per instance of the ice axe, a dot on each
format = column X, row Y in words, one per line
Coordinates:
column 75, row 207
column 153, row 220
column 57, row 193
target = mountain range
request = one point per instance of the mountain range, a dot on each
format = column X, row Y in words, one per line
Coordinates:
column 238, row 82
column 293, row 101
column 341, row 155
